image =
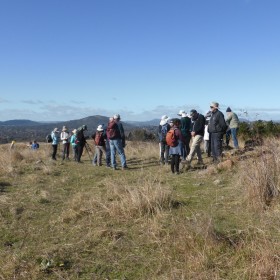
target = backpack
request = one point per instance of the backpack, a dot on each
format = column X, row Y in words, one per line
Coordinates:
column 98, row 139
column 49, row 138
column 171, row 138
column 163, row 132
column 112, row 130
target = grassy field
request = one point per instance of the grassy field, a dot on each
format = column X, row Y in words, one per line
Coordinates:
column 63, row 220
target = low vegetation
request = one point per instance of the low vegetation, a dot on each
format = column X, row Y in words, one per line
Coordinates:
column 63, row 220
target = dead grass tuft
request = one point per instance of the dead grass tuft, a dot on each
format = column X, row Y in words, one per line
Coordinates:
column 260, row 175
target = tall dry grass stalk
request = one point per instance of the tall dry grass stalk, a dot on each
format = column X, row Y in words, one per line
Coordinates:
column 13, row 161
column 260, row 175
column 142, row 150
column 146, row 196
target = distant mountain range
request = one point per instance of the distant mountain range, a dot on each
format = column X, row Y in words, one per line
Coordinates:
column 27, row 130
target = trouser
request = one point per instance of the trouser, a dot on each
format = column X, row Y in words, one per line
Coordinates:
column 54, row 151
column 108, row 155
column 164, row 152
column 175, row 161
column 75, row 152
column 100, row 150
column 187, row 146
column 233, row 133
column 117, row 145
column 216, row 145
column 65, row 151
column 80, row 148
column 195, row 149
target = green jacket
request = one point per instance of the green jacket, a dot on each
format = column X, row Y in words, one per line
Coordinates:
column 232, row 120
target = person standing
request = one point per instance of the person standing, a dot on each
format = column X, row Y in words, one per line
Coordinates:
column 163, row 128
column 186, row 131
column 99, row 142
column 55, row 141
column 115, row 132
column 74, row 145
column 217, row 127
column 35, row 145
column 232, row 121
column 80, row 141
column 177, row 150
column 64, row 136
column 207, row 135
column 197, row 132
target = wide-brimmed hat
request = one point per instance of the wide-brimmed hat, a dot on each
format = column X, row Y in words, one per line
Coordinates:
column 163, row 122
column 182, row 113
column 100, row 128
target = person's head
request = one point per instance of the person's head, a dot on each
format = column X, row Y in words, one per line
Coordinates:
column 117, row 117
column 100, row 128
column 64, row 128
column 193, row 114
column 55, row 130
column 214, row 106
column 207, row 117
column 34, row 141
column 163, row 120
column 182, row 113
column 176, row 122
column 74, row 131
column 84, row 127
column 228, row 110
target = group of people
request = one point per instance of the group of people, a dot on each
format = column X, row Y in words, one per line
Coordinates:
column 108, row 141
column 190, row 130
column 194, row 128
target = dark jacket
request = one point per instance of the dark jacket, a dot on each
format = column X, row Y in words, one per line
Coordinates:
column 199, row 125
column 217, row 123
column 80, row 137
column 186, row 127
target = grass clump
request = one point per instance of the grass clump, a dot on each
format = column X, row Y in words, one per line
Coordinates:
column 63, row 220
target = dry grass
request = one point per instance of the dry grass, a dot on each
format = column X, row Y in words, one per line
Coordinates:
column 261, row 175
column 62, row 220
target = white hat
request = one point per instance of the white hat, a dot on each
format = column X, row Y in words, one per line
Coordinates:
column 100, row 128
column 182, row 113
column 164, row 117
column 117, row 117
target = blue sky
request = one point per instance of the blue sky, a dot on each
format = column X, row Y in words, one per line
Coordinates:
column 68, row 59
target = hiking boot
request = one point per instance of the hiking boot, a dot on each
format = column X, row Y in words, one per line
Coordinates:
column 124, row 167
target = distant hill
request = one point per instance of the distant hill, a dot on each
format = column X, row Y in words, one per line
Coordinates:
column 26, row 130
column 154, row 122
column 19, row 123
